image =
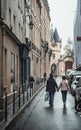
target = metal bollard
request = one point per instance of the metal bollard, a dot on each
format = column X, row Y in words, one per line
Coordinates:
column 19, row 97
column 23, row 95
column 6, row 106
column 27, row 90
column 33, row 88
column 30, row 91
column 13, row 101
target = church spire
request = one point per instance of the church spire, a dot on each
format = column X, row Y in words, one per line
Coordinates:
column 56, row 36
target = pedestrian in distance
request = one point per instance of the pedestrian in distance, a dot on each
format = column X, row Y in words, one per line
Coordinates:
column 64, row 89
column 31, row 80
column 45, row 76
column 51, row 87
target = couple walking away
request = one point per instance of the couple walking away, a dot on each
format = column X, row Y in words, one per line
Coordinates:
column 52, row 87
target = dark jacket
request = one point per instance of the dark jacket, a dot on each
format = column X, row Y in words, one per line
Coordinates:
column 51, row 85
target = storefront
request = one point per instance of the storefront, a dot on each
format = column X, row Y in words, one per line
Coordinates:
column 24, row 64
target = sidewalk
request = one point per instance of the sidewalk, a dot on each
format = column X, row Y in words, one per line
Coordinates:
column 12, row 117
column 39, row 116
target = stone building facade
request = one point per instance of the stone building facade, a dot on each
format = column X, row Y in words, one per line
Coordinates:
column 39, row 36
column 56, row 51
column 24, row 44
column 45, row 38
column 11, row 37
column 77, row 37
column 56, row 55
column 61, row 67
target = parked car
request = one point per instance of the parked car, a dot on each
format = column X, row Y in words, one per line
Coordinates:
column 68, row 72
column 78, row 99
column 73, row 72
column 75, row 84
column 76, row 89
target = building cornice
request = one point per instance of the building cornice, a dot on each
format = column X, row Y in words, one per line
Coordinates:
column 47, row 8
column 10, row 33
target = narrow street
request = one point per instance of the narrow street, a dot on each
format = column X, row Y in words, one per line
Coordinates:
column 39, row 116
column 38, row 38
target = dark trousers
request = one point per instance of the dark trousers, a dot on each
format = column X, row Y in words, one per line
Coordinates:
column 64, row 96
column 51, row 97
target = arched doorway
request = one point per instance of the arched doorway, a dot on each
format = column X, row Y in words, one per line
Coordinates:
column 68, row 65
column 54, row 69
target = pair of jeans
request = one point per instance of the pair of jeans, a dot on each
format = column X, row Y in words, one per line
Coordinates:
column 64, row 96
column 51, row 98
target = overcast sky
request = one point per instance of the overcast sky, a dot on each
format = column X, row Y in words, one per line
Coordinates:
column 62, row 14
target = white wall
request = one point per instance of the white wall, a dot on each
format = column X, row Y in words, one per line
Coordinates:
column 77, row 32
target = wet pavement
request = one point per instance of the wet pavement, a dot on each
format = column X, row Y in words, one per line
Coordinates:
column 39, row 116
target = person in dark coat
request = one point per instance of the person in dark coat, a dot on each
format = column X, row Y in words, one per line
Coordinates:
column 51, row 87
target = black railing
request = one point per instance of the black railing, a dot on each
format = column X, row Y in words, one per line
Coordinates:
column 21, row 98
column 6, row 106
column 13, row 101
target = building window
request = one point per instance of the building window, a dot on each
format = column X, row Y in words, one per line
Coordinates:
column 10, row 18
column 32, row 56
column 37, row 60
column 60, row 56
column 54, row 56
column 12, row 71
column 19, row 29
column 14, row 19
column 22, row 33
column 17, row 70
column 5, row 64
column 19, row 4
